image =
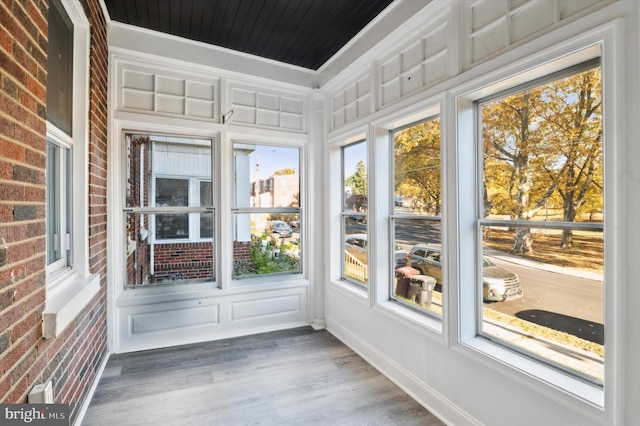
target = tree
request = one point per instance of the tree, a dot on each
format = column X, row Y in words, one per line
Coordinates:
column 543, row 146
column 509, row 149
column 285, row 171
column 358, row 181
column 417, row 164
column 575, row 122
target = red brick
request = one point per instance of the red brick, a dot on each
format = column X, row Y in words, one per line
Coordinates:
column 6, row 170
column 12, row 151
column 19, row 393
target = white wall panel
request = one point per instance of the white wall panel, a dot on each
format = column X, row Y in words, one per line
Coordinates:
column 495, row 26
column 352, row 101
column 167, row 317
column 151, row 90
column 418, row 65
column 258, row 107
column 257, row 308
column 155, row 320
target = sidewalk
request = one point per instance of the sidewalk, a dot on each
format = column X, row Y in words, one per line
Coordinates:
column 507, row 257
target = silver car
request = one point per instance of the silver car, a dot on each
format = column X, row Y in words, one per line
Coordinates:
column 498, row 284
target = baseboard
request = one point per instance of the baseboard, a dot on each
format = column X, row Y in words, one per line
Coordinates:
column 87, row 400
column 405, row 380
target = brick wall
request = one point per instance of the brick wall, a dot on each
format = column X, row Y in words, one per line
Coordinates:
column 26, row 359
column 183, row 261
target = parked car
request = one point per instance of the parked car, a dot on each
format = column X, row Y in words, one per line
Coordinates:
column 498, row 284
column 278, row 227
column 356, row 245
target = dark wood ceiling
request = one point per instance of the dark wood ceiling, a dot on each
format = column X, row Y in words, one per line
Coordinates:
column 306, row 33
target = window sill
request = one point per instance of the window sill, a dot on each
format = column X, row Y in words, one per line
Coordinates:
column 66, row 302
column 570, row 388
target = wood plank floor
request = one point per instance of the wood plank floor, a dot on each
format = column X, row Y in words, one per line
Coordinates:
column 290, row 377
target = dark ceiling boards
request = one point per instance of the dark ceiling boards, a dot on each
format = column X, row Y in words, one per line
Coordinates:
column 305, row 33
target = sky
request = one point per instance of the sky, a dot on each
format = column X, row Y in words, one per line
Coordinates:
column 273, row 158
column 352, row 154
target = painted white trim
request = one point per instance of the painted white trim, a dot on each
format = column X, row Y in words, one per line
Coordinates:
column 419, row 390
column 92, row 391
column 571, row 51
column 64, row 305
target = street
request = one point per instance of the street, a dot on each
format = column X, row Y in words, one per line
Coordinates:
column 563, row 302
column 559, row 301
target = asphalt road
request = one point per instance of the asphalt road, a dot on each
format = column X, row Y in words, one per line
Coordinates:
column 562, row 302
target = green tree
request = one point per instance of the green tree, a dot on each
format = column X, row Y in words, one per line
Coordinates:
column 358, row 180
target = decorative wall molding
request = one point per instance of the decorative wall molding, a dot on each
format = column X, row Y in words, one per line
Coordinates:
column 352, row 102
column 495, row 27
column 149, row 90
column 258, row 107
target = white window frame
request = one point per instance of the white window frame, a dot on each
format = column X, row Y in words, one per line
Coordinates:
column 432, row 114
column 345, row 213
column 70, row 289
column 238, row 210
column 63, row 188
column 564, row 53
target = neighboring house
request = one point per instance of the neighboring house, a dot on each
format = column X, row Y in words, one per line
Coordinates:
column 127, row 200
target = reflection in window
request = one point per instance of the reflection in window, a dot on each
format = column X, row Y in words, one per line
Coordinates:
column 267, row 213
column 172, row 193
column 170, row 218
column 541, row 220
column 206, row 200
column 355, row 265
column 417, row 206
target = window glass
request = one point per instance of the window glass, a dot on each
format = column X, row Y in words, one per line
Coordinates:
column 267, row 216
column 59, row 181
column 541, row 220
column 354, row 213
column 170, row 193
column 53, row 203
column 266, row 243
column 416, row 225
column 206, row 200
column 170, row 216
column 266, row 176
column 59, row 68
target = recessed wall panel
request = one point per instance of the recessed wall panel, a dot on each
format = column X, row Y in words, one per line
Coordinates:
column 172, row 318
column 253, row 309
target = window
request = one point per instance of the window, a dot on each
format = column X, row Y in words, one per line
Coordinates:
column 354, row 213
column 70, row 284
column 540, row 220
column 59, row 140
column 267, row 210
column 416, row 218
column 169, row 210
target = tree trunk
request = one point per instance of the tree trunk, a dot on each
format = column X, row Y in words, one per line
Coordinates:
column 523, row 241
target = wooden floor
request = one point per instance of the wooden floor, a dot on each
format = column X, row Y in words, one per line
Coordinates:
column 290, row 377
